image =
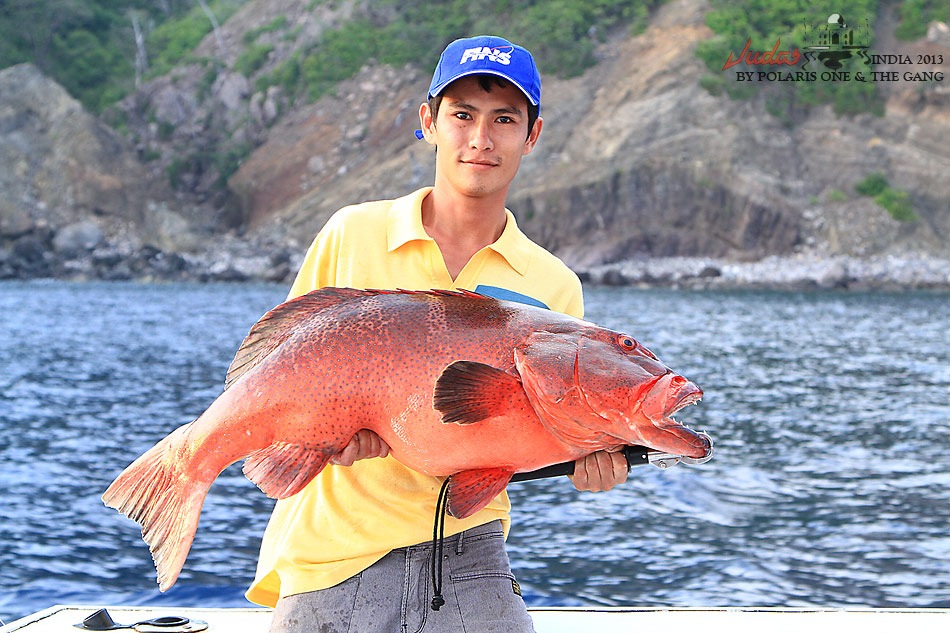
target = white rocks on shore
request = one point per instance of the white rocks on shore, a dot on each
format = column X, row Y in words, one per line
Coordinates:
column 791, row 272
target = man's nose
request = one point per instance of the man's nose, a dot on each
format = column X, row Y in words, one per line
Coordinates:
column 481, row 136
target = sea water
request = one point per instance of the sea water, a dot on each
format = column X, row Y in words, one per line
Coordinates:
column 830, row 485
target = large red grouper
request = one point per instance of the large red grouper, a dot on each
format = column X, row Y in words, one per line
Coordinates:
column 457, row 384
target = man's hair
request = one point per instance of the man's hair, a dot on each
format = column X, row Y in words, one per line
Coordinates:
column 486, row 82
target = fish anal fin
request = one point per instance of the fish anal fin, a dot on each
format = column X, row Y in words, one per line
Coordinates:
column 468, row 391
column 282, row 469
column 471, row 490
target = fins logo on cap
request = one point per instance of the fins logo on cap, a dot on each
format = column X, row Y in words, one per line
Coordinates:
column 502, row 54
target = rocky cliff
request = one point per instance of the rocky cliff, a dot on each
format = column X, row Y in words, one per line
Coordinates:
column 74, row 198
column 637, row 162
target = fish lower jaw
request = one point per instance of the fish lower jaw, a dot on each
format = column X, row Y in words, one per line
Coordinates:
column 676, row 438
column 668, row 422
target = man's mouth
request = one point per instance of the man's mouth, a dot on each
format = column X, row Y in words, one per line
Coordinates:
column 477, row 162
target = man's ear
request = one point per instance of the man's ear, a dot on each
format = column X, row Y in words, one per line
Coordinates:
column 533, row 136
column 427, row 123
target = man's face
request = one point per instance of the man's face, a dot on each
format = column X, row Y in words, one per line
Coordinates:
column 481, row 136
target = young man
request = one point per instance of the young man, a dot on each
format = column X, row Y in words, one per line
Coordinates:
column 351, row 552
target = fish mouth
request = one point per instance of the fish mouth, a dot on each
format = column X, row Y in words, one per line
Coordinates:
column 668, row 396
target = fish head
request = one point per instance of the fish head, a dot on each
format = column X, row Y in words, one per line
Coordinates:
column 596, row 387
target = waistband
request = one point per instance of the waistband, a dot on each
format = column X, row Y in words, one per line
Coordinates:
column 492, row 528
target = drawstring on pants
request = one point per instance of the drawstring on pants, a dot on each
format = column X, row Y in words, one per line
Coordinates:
column 438, row 546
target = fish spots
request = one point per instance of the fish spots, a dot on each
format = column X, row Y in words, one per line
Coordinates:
column 316, row 371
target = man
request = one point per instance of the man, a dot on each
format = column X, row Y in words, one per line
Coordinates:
column 351, row 552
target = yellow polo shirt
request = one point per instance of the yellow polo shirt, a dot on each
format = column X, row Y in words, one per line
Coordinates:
column 348, row 518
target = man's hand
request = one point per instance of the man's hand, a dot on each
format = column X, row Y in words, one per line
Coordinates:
column 365, row 444
column 599, row 471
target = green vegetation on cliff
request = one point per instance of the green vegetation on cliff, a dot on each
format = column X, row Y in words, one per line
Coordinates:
column 787, row 25
column 98, row 49
column 894, row 201
column 91, row 47
column 562, row 34
column 915, row 15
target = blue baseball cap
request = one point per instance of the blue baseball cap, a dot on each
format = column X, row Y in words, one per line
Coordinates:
column 488, row 54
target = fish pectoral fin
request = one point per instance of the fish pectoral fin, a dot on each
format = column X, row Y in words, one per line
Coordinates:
column 282, row 469
column 471, row 490
column 468, row 392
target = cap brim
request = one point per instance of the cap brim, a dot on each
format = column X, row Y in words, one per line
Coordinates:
column 483, row 71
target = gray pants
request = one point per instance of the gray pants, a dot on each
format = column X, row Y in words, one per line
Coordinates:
column 395, row 594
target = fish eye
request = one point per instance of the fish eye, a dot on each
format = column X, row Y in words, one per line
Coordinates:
column 626, row 342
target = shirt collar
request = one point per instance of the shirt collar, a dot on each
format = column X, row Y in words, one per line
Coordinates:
column 511, row 247
column 405, row 225
column 405, row 220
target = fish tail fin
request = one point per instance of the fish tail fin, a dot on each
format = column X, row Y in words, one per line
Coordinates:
column 164, row 500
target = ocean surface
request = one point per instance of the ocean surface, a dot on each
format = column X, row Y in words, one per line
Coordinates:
column 830, row 485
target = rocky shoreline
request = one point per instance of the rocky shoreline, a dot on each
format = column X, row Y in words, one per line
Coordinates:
column 795, row 272
column 82, row 253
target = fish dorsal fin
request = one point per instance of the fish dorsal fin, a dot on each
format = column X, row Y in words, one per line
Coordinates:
column 276, row 326
column 467, row 392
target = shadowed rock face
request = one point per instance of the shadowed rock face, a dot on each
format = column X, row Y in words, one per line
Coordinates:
column 56, row 161
column 636, row 160
column 72, row 186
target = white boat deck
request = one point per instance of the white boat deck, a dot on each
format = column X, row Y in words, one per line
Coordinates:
column 63, row 619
